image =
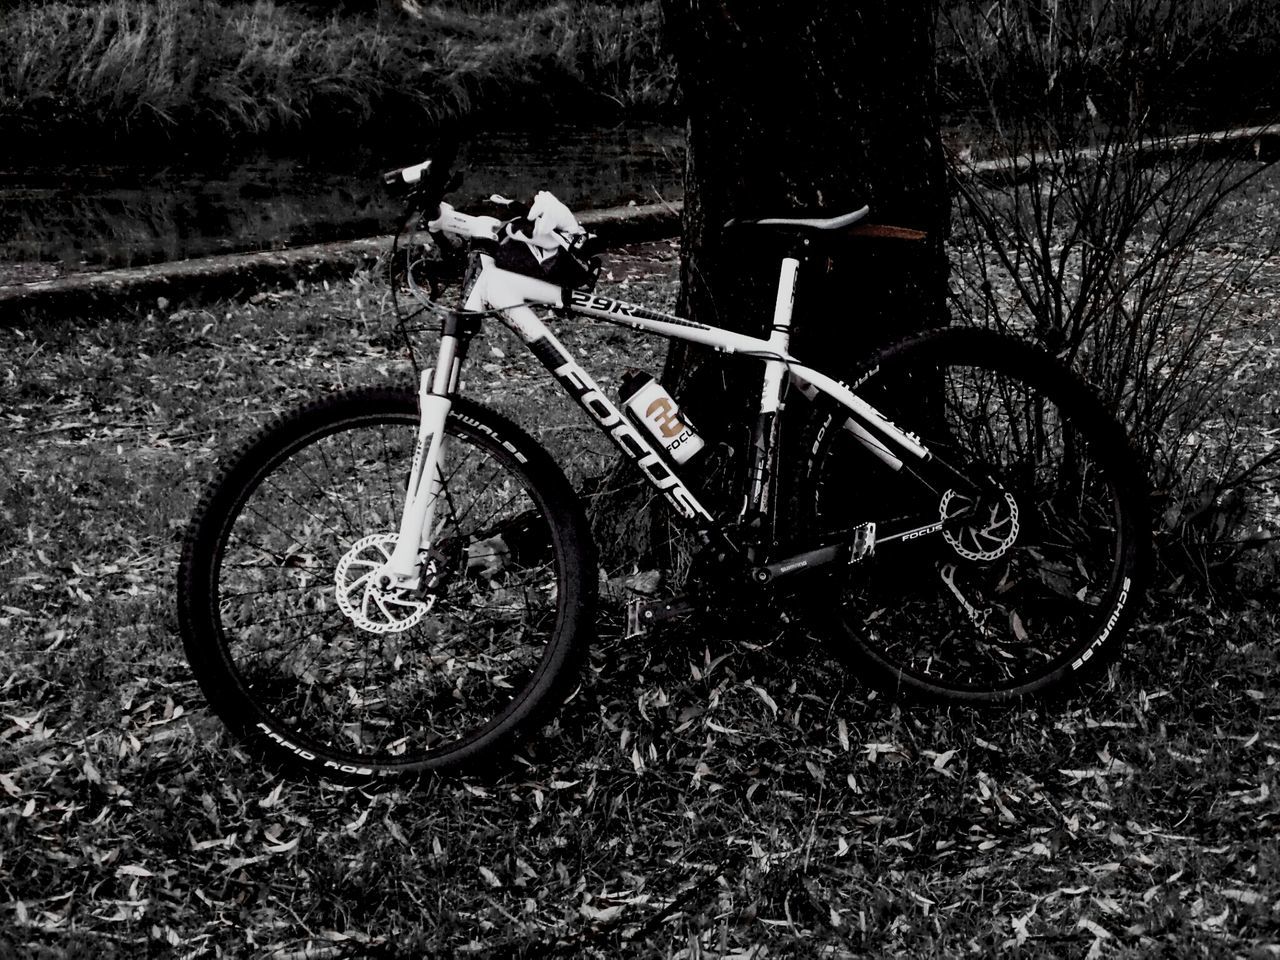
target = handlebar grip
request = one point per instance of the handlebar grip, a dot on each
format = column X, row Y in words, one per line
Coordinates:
column 411, row 175
column 425, row 184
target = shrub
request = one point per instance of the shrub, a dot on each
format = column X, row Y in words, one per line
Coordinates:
column 1124, row 259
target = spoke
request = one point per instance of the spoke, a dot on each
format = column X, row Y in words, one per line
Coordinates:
column 289, row 537
column 291, row 617
column 471, row 449
column 475, row 499
column 335, row 498
column 448, row 495
column 506, row 506
column 319, row 569
column 284, row 655
column 266, row 591
column 392, row 499
column 364, row 679
column 351, row 449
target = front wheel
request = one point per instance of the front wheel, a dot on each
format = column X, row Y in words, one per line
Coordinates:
column 313, row 669
column 1008, row 564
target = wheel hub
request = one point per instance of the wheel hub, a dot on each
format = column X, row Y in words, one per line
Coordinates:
column 364, row 599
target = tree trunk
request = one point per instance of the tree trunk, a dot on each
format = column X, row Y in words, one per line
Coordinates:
column 795, row 109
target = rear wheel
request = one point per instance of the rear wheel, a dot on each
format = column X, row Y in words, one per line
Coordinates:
column 312, row 667
column 1018, row 582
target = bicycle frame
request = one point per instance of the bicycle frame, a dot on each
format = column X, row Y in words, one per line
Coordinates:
column 512, row 296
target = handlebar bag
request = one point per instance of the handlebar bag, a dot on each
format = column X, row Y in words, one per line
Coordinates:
column 572, row 267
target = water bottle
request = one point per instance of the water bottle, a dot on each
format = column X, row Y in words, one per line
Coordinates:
column 653, row 408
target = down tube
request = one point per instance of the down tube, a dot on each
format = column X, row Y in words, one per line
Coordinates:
column 580, row 385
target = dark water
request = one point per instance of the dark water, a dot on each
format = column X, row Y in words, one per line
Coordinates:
column 69, row 217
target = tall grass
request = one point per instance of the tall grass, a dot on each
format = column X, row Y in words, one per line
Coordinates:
column 194, row 71
column 201, row 72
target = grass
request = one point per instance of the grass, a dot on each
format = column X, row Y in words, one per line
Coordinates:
column 139, row 72
column 713, row 792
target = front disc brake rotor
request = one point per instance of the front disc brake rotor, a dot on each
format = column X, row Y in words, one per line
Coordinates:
column 363, row 599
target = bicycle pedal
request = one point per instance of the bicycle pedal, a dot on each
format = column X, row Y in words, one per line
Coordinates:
column 643, row 615
column 635, row 626
column 864, row 542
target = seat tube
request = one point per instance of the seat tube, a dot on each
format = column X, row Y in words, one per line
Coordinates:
column 780, row 337
column 765, row 436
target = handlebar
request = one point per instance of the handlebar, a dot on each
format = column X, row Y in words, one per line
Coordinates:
column 428, row 181
column 426, row 184
column 458, row 224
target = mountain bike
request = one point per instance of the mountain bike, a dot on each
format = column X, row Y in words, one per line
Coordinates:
column 384, row 582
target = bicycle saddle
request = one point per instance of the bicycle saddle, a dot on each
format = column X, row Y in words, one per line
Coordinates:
column 828, row 228
column 804, row 223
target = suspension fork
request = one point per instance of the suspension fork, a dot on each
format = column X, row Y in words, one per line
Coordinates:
column 436, row 390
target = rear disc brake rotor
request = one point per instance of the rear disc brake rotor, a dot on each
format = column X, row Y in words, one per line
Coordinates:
column 992, row 531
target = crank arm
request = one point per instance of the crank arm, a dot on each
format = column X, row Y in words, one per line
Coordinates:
column 937, row 526
column 861, row 543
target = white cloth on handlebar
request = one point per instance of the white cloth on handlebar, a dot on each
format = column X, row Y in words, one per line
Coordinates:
column 553, row 223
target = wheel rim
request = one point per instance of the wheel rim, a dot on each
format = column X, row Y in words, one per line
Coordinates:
column 407, row 695
column 999, row 609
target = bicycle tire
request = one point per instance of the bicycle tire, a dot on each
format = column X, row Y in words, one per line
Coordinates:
column 918, row 625
column 300, row 681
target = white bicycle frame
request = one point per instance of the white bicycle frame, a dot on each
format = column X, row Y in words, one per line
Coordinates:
column 512, row 296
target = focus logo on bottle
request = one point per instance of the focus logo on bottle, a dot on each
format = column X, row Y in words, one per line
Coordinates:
column 655, row 409
column 660, row 413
